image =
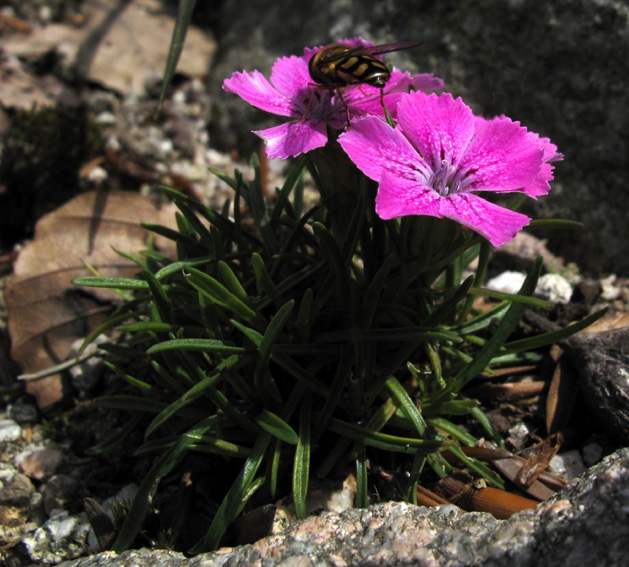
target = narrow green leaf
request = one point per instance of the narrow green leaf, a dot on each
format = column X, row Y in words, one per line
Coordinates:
column 332, row 253
column 113, row 283
column 221, row 295
column 286, row 362
column 177, row 236
column 264, row 280
column 160, row 297
column 400, row 334
column 217, row 446
column 148, row 326
column 107, row 324
column 511, row 297
column 260, row 211
column 551, row 337
column 335, row 398
column 484, row 320
column 453, row 430
column 266, row 346
column 128, row 378
column 301, row 465
column 234, row 498
column 385, row 441
column 277, row 427
column 197, row 227
column 182, row 23
column 445, row 313
column 202, row 345
column 294, row 174
column 303, row 321
column 362, row 486
column 232, row 281
column 483, row 420
column 274, row 468
column 142, row 501
column 372, row 295
column 508, row 324
column 482, row 469
column 178, row 267
column 401, row 395
column 191, row 395
column 451, row 407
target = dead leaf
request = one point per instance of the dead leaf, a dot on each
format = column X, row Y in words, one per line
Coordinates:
column 608, row 322
column 562, row 392
column 539, row 460
column 508, row 392
column 47, row 314
column 120, row 46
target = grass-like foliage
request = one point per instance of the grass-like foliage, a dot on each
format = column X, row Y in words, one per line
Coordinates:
column 284, row 343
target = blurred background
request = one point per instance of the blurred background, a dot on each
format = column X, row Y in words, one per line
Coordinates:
column 561, row 68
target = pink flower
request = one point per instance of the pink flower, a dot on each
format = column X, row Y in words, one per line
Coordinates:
column 311, row 110
column 440, row 155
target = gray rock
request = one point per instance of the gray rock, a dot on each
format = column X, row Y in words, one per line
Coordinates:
column 585, row 524
column 602, row 360
column 22, row 411
column 59, row 492
column 15, row 488
column 558, row 67
column 60, row 538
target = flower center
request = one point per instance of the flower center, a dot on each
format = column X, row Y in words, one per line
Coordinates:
column 445, row 180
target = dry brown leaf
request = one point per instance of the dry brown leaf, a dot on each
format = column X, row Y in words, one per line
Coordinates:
column 562, row 392
column 119, row 45
column 608, row 322
column 46, row 312
column 539, row 460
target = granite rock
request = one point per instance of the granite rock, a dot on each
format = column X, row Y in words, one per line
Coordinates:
column 587, row 523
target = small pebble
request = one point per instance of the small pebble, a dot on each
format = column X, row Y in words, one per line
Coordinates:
column 569, row 465
column 60, row 493
column 22, row 411
column 554, row 288
column 9, row 430
column 592, row 453
column 40, row 464
column 507, row 282
column 609, row 290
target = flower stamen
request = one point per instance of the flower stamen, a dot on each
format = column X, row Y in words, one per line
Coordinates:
column 444, row 180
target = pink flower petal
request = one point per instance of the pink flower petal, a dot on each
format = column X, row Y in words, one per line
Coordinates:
column 501, row 157
column 398, row 197
column 293, row 138
column 392, row 151
column 427, row 82
column 257, row 91
column 439, row 127
column 541, row 184
column 290, row 76
column 495, row 223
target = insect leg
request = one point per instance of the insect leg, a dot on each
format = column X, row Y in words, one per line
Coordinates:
column 339, row 92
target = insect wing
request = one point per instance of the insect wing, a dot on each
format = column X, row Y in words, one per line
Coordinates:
column 335, row 52
column 388, row 47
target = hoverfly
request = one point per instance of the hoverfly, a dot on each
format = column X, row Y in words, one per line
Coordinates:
column 338, row 65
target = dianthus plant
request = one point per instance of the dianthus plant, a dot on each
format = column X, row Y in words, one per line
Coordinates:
column 289, row 338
